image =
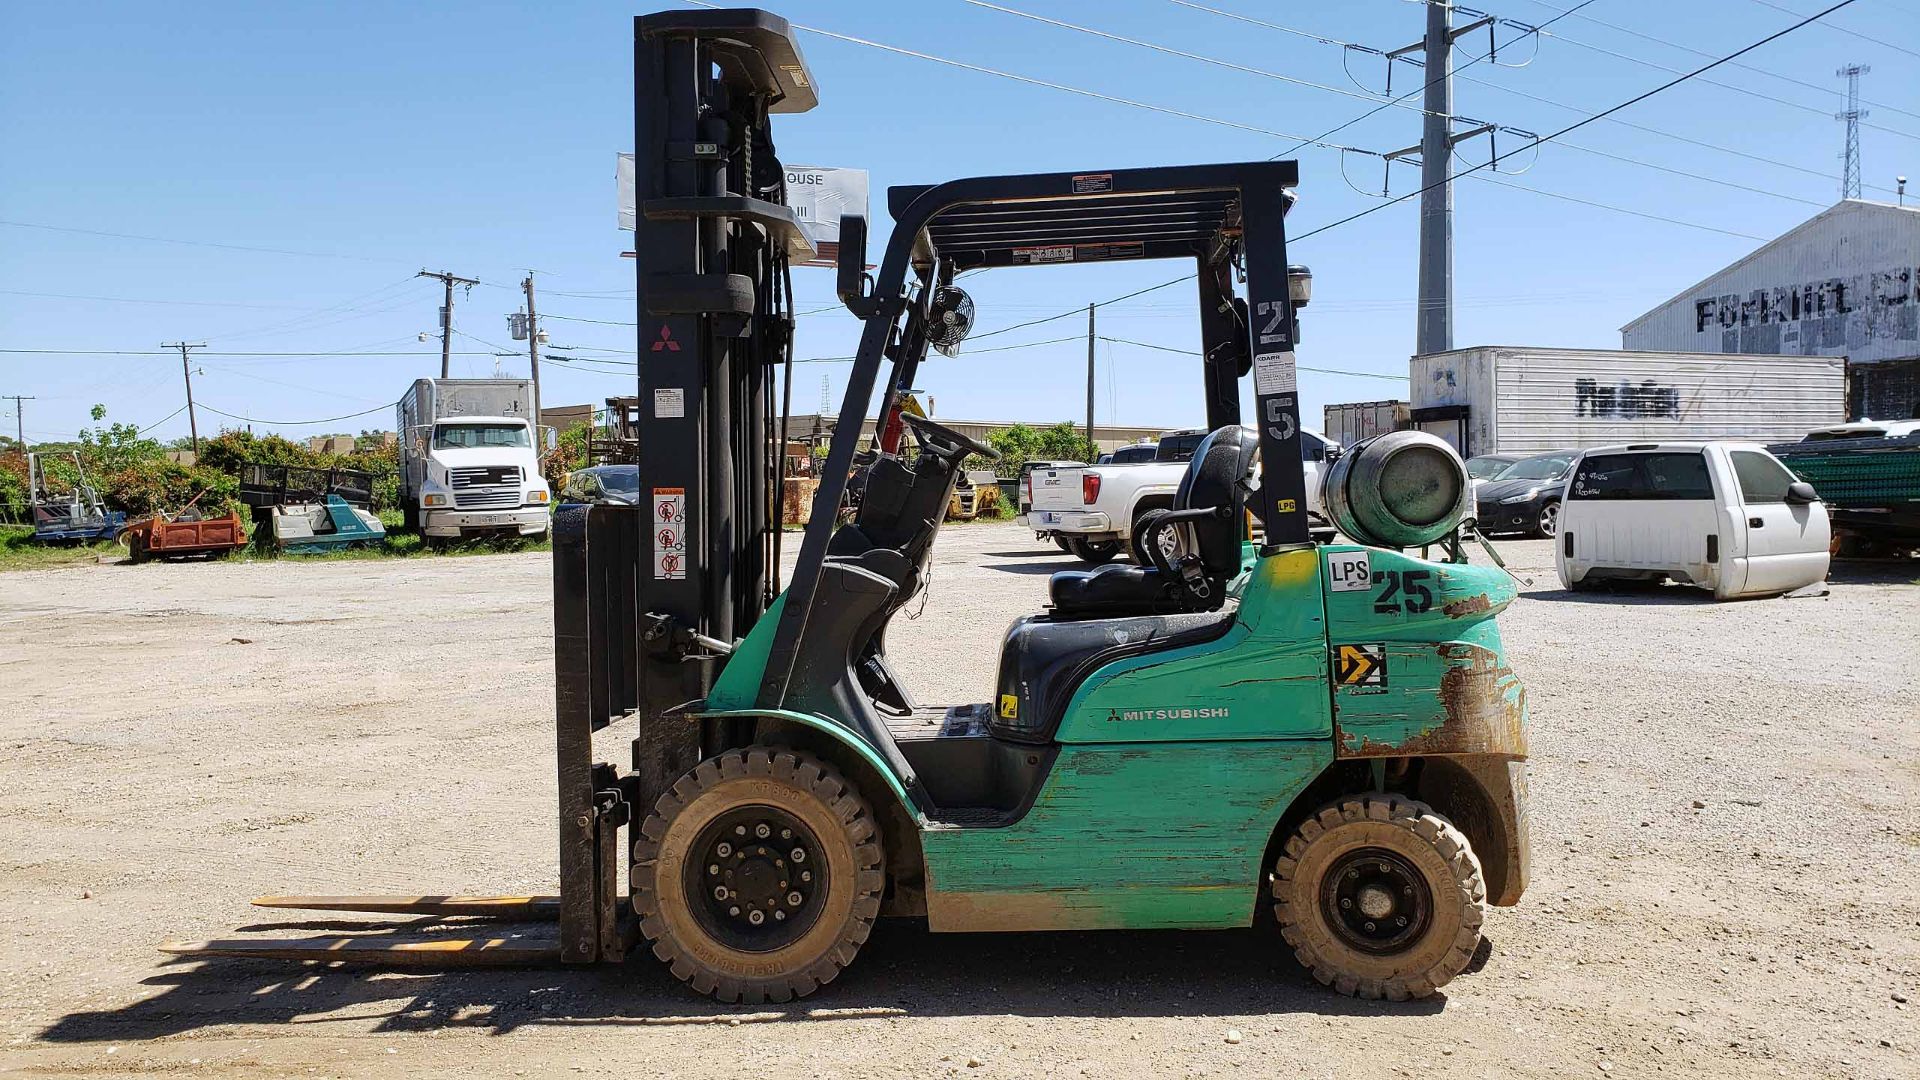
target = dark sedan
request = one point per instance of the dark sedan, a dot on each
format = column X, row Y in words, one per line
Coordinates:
column 1524, row 497
column 617, row 484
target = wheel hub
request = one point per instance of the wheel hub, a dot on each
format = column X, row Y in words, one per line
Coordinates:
column 756, row 878
column 1376, row 901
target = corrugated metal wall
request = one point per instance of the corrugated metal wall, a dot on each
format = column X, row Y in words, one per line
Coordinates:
column 1845, row 283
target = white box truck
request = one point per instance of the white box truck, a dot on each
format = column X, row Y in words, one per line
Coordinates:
column 1353, row 421
column 1501, row 399
column 470, row 459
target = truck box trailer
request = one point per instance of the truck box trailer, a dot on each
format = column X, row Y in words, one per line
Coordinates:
column 1501, row 399
column 1352, row 421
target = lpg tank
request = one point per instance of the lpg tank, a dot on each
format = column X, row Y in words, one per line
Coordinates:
column 1398, row 490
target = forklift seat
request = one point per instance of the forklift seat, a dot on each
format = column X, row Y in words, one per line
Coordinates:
column 1217, row 478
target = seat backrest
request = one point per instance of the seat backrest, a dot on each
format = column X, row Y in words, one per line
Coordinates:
column 1219, row 476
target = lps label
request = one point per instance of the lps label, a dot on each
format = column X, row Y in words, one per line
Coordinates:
column 1349, row 572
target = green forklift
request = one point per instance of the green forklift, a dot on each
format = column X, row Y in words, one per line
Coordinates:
column 1218, row 732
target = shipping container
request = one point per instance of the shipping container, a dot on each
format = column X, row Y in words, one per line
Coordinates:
column 1514, row 399
column 1352, row 421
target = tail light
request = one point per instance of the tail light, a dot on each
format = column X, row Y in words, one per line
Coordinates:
column 1089, row 487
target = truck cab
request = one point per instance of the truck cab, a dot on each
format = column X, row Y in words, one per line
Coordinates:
column 470, row 460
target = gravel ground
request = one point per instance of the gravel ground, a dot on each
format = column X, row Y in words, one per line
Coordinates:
column 1726, row 814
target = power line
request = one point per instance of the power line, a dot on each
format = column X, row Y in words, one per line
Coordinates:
column 1841, row 29
column 299, row 423
column 1578, row 124
column 1216, row 62
column 196, row 243
column 1303, row 367
column 1031, row 81
column 212, row 352
column 1698, row 52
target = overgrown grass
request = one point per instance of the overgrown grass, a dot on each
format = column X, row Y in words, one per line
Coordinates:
column 20, row 551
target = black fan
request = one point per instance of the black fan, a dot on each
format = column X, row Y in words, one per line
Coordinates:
column 949, row 320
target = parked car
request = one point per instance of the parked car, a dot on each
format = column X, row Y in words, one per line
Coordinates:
column 1091, row 511
column 1524, row 497
column 1129, row 455
column 1722, row 516
column 1488, row 466
column 617, row 484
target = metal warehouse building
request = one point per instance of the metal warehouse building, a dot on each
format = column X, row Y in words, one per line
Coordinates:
column 1844, row 283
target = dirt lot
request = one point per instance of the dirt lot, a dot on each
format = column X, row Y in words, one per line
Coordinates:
column 1726, row 814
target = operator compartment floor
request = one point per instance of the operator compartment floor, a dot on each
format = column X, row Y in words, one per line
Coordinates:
column 940, row 721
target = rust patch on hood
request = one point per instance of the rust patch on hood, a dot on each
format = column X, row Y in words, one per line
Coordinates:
column 1467, row 605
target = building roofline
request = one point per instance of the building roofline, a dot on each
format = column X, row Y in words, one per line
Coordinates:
column 1843, row 204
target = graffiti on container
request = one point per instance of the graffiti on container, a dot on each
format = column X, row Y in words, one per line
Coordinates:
column 1645, row 400
column 1834, row 313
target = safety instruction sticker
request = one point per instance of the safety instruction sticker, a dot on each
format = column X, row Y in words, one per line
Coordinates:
column 669, row 534
column 1038, row 255
column 669, row 403
column 1092, row 183
column 1348, row 572
column 1273, row 373
column 1361, row 669
column 1009, row 707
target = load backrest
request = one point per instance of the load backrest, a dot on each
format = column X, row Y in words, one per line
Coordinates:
column 1219, row 476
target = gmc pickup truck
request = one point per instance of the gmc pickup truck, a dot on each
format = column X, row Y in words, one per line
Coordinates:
column 1090, row 511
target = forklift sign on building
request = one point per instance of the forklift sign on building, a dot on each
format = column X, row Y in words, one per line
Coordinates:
column 1206, row 736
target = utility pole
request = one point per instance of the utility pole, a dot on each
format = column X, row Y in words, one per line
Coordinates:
column 186, row 371
column 1093, row 448
column 20, row 420
column 533, row 349
column 446, row 315
column 1434, row 320
column 1850, row 171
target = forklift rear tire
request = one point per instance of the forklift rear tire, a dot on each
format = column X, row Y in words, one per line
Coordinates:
column 1380, row 897
column 758, row 875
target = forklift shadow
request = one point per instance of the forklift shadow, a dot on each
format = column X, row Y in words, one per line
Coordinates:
column 903, row 971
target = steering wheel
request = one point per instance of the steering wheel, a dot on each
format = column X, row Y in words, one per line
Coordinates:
column 929, row 432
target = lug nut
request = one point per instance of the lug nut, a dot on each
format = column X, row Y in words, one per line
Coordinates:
column 1345, row 903
column 806, row 875
column 786, row 834
column 1369, row 928
column 720, row 892
column 793, row 899
column 739, row 830
column 756, row 916
column 1401, row 921
column 762, row 831
column 724, row 849
column 798, row 855
column 734, row 911
column 713, row 868
column 780, row 915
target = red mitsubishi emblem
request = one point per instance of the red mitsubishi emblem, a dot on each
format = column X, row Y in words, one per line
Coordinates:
column 665, row 340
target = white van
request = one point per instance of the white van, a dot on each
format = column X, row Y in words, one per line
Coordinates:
column 1724, row 516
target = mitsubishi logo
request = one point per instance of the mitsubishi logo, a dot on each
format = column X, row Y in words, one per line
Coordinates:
column 665, row 342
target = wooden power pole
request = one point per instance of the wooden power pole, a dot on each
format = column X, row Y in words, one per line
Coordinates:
column 20, row 420
column 533, row 350
column 446, row 315
column 186, row 372
column 1093, row 448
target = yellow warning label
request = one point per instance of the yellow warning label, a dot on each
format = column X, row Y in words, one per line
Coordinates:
column 1009, row 707
column 1361, row 666
column 1288, row 506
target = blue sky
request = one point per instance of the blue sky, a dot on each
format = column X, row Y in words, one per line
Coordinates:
column 369, row 140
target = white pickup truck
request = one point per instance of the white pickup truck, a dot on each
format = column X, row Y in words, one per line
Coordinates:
column 1090, row 511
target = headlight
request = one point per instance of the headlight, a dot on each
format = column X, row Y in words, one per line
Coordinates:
column 434, row 500
column 540, row 495
column 1522, row 497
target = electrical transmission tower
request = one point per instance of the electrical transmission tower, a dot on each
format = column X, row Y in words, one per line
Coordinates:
column 1850, row 173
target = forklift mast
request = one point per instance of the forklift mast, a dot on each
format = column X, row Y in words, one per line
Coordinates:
column 649, row 599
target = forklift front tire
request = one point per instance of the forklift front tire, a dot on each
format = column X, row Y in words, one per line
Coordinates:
column 758, row 875
column 1380, row 897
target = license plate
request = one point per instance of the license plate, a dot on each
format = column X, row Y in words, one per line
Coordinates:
column 1050, row 518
